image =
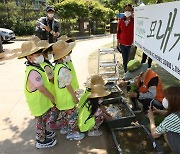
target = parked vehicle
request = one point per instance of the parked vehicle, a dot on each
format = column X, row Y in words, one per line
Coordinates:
column 6, row 34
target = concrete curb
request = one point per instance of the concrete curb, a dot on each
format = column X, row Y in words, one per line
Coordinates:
column 77, row 38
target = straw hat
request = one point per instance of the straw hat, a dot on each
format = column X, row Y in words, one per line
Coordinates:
column 44, row 44
column 66, row 39
column 62, row 49
column 95, row 79
column 98, row 91
column 41, row 43
column 135, row 68
column 35, row 39
column 28, row 48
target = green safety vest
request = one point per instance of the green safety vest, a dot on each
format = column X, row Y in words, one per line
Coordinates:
column 83, row 99
column 37, row 102
column 74, row 82
column 64, row 99
column 84, row 124
column 51, row 87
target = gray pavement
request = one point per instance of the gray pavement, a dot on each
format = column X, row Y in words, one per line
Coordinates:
column 17, row 132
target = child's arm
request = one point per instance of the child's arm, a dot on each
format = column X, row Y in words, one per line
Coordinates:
column 49, row 73
column 104, row 110
column 70, row 89
column 106, row 115
column 46, row 93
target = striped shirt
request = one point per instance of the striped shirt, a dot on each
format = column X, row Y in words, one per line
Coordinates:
column 170, row 123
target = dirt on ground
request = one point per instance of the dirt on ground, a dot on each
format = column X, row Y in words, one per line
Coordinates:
column 93, row 69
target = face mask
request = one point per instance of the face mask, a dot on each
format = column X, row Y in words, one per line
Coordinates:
column 67, row 59
column 50, row 15
column 39, row 59
column 50, row 56
column 165, row 103
column 127, row 13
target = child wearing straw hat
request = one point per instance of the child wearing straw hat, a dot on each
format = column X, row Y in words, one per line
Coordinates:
column 65, row 96
column 40, row 100
column 95, row 79
column 93, row 113
column 74, row 81
column 48, row 68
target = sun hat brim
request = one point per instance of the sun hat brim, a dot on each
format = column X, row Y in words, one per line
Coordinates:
column 22, row 55
column 105, row 93
column 89, row 84
column 46, row 48
column 130, row 75
column 60, row 55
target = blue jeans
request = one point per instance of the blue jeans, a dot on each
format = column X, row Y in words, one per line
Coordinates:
column 125, row 55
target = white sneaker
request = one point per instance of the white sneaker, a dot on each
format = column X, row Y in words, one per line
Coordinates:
column 95, row 133
column 64, row 130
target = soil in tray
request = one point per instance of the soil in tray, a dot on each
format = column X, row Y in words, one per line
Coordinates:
column 118, row 110
column 111, row 88
column 135, row 141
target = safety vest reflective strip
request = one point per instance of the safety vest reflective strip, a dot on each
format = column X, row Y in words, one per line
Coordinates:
column 74, row 82
column 64, row 99
column 37, row 102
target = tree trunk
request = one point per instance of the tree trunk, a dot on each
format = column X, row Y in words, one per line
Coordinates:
column 1, row 47
column 81, row 26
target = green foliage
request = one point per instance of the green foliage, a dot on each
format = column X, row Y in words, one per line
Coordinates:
column 70, row 9
column 21, row 19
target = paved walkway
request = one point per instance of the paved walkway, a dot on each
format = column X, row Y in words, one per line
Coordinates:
column 17, row 132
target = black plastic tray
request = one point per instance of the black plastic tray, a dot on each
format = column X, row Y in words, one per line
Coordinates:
column 114, row 89
column 133, row 143
column 123, row 120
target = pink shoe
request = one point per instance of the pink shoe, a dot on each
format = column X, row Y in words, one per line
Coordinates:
column 54, row 125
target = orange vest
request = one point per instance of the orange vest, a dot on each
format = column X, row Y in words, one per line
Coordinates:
column 144, row 87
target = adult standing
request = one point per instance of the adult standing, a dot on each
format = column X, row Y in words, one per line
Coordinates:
column 48, row 28
column 125, row 34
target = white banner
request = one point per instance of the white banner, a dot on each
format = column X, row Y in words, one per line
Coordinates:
column 157, row 33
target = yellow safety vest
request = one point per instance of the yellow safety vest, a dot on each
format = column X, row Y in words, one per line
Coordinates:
column 83, row 99
column 64, row 99
column 84, row 123
column 37, row 102
column 74, row 82
column 51, row 88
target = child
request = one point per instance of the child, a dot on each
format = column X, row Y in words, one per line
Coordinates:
column 65, row 96
column 95, row 79
column 48, row 68
column 38, row 97
column 96, row 111
column 74, row 81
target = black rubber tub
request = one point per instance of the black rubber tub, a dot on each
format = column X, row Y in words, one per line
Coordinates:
column 136, row 140
column 120, row 111
column 114, row 89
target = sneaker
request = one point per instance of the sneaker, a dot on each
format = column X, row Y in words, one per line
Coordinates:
column 54, row 125
column 64, row 130
column 75, row 136
column 95, row 133
column 47, row 143
column 50, row 134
